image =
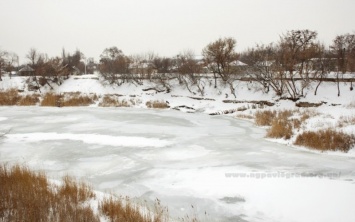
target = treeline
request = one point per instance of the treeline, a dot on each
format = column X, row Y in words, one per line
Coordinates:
column 286, row 66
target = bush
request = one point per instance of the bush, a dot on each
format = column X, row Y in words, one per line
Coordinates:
column 9, row 97
column 326, row 140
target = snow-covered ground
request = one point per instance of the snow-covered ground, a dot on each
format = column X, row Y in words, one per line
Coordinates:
column 222, row 166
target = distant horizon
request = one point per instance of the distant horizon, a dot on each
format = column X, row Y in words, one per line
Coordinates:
column 165, row 27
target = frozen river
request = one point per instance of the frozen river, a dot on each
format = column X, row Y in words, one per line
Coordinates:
column 219, row 165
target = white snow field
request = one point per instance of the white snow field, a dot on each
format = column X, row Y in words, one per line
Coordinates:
column 214, row 167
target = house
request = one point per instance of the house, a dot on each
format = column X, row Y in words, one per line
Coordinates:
column 144, row 68
column 26, row 71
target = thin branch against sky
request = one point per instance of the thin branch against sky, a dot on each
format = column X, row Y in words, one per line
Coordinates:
column 163, row 26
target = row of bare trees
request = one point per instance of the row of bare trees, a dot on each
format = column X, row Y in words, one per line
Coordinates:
column 48, row 70
column 286, row 67
column 298, row 58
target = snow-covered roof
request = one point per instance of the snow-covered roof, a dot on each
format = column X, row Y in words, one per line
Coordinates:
column 239, row 63
column 26, row 69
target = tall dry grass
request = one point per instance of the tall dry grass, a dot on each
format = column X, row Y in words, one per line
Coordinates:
column 9, row 97
column 264, row 118
column 29, row 100
column 328, row 139
column 280, row 125
column 123, row 209
column 280, row 128
column 26, row 195
column 80, row 100
column 118, row 211
column 52, row 99
column 284, row 123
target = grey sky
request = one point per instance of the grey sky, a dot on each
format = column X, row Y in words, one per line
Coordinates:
column 166, row 27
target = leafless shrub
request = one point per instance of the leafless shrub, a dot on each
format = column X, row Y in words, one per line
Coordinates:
column 346, row 121
column 351, row 105
column 244, row 116
column 324, row 140
column 135, row 101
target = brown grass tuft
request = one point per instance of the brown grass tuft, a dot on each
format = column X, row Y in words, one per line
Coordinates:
column 280, row 128
column 51, row 99
column 9, row 97
column 80, row 100
column 326, row 140
column 280, row 125
column 74, row 191
column 112, row 101
column 264, row 118
column 29, row 100
column 115, row 210
column 156, row 104
column 122, row 209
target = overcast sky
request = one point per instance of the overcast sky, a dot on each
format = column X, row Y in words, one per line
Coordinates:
column 165, row 27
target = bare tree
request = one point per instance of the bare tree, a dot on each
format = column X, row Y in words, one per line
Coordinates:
column 3, row 55
column 344, row 49
column 7, row 62
column 188, row 69
column 114, row 65
column 142, row 66
column 219, row 55
column 322, row 65
column 296, row 50
column 163, row 64
column 33, row 56
column 264, row 69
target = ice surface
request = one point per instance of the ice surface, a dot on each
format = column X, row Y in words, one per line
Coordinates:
column 90, row 138
column 221, row 166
